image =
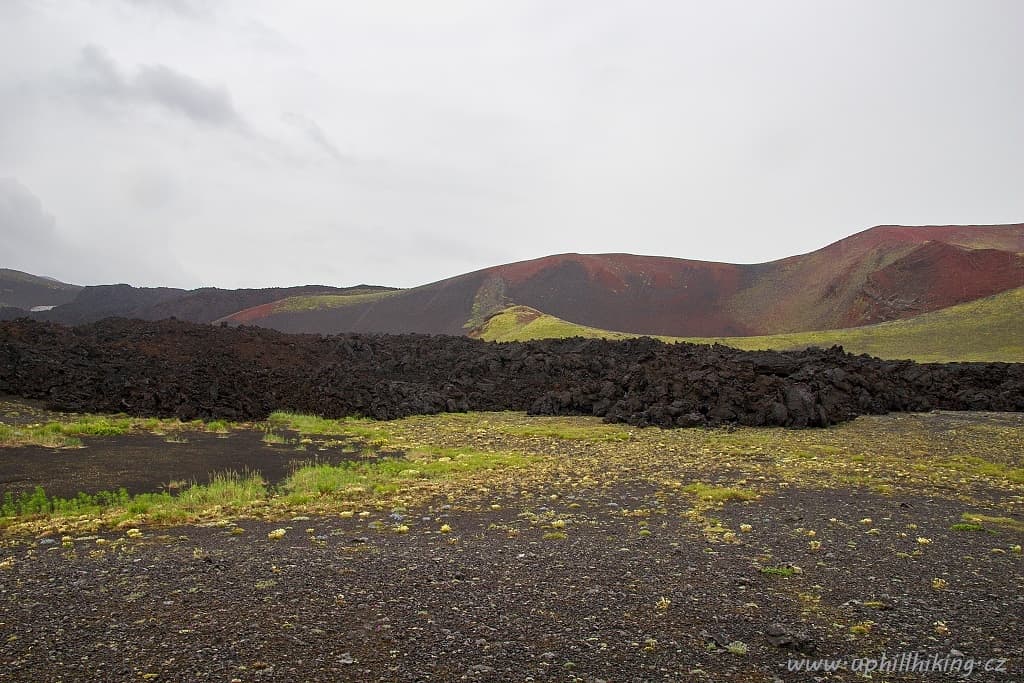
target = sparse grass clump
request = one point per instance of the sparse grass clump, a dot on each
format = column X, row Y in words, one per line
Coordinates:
column 1007, row 523
column 387, row 475
column 373, row 433
column 598, row 432
column 69, row 433
column 718, row 494
column 218, row 427
column 226, row 491
column 980, row 467
column 49, row 435
column 37, row 503
column 784, row 571
column 63, row 434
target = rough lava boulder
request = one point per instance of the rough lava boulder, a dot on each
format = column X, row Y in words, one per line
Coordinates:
column 173, row 368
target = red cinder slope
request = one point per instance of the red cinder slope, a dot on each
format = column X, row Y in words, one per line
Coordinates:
column 884, row 273
column 933, row 276
column 646, row 294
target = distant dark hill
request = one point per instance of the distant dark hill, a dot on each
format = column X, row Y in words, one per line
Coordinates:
column 884, row 273
column 104, row 301
column 440, row 308
column 12, row 313
column 24, row 291
column 157, row 303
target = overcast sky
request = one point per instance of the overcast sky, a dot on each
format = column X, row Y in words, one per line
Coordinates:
column 258, row 142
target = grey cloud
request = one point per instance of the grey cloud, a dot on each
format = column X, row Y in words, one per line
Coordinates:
column 263, row 38
column 187, row 95
column 34, row 241
column 22, row 218
column 100, row 74
column 315, row 134
column 159, row 85
column 27, row 232
column 189, row 9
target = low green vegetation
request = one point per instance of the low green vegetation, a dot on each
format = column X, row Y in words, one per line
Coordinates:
column 226, row 491
column 718, row 494
column 316, row 302
column 980, row 467
column 63, row 434
column 273, row 438
column 989, row 521
column 231, row 492
column 372, row 432
column 69, row 433
column 782, row 570
column 388, row 475
column 218, row 427
column 425, row 469
column 466, row 458
column 522, row 323
column 489, row 299
column 989, row 329
column 50, row 436
column 596, row 432
column 38, row 503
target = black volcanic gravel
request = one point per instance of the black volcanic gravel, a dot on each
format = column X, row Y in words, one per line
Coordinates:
column 173, row 368
column 497, row 600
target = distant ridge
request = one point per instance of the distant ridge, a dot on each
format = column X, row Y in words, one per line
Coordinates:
column 23, row 291
column 880, row 274
column 158, row 303
column 885, row 273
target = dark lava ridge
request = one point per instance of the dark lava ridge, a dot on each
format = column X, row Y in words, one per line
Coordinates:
column 173, row 368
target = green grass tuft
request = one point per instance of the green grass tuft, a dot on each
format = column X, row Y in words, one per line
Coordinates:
column 1006, row 523
column 373, row 432
column 719, row 494
column 606, row 433
column 226, row 491
column 353, row 479
column 782, row 571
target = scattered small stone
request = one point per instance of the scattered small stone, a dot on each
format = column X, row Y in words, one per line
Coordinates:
column 782, row 636
column 716, row 639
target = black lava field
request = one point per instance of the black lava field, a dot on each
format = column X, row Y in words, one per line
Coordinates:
column 172, row 368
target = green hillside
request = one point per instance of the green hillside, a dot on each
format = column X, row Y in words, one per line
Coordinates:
column 989, row 329
column 314, row 302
